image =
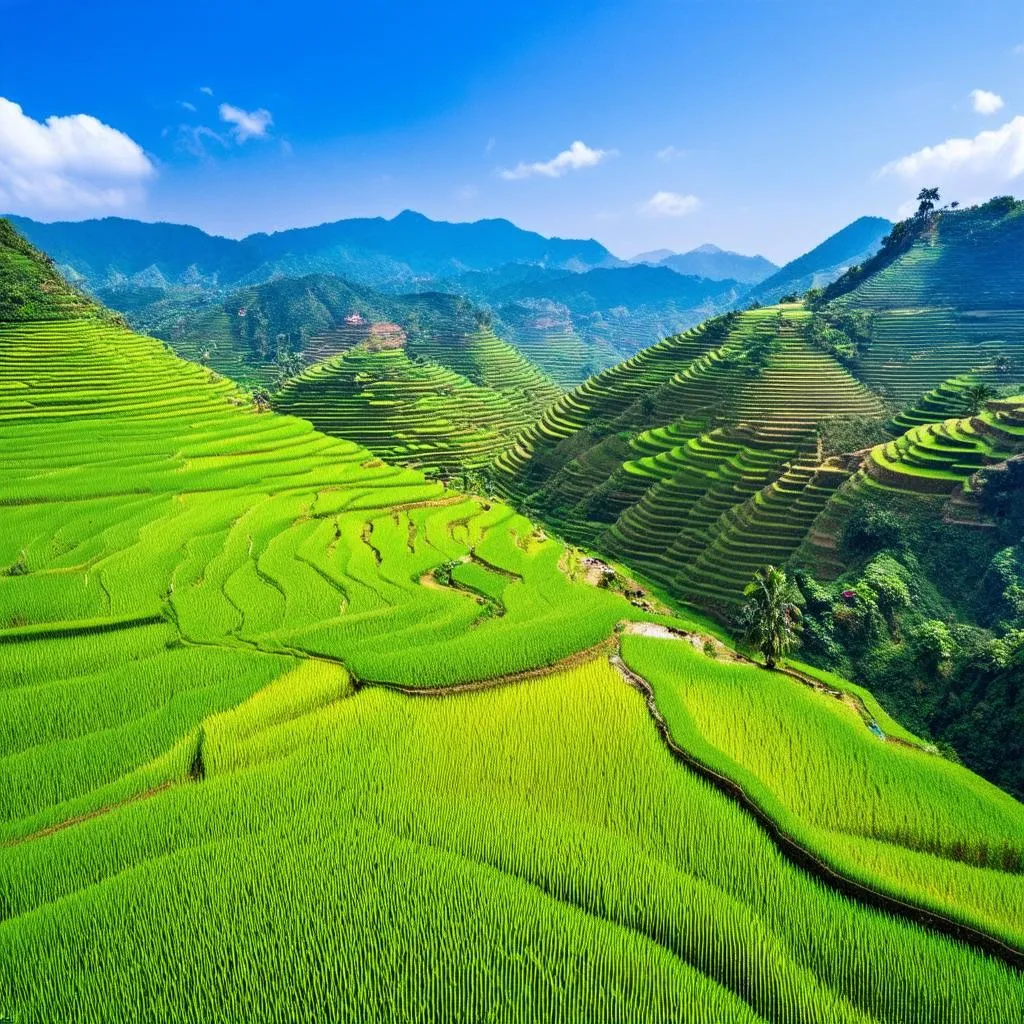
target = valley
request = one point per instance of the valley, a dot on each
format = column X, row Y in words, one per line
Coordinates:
column 392, row 626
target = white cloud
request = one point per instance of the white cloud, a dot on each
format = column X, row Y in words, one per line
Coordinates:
column 206, row 89
column 670, row 204
column 576, row 157
column 75, row 162
column 191, row 139
column 985, row 102
column 671, row 153
column 491, row 143
column 247, row 124
column 190, row 107
column 998, row 153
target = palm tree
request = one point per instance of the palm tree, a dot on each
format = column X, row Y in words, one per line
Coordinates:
column 770, row 618
column 975, row 398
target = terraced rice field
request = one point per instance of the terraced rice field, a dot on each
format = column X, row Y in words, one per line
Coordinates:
column 942, row 457
column 697, row 509
column 288, row 732
column 210, row 340
column 952, row 304
column 530, row 851
column 410, row 409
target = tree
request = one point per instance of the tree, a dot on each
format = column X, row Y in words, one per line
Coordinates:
column 1002, row 364
column 927, row 200
column 975, row 398
column 770, row 618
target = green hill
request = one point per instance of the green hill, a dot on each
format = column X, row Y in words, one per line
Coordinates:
column 649, row 460
column 946, row 296
column 755, row 438
column 409, row 409
column 231, row 793
column 29, row 287
column 819, row 267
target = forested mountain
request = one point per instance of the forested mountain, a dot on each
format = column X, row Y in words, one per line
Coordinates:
column 719, row 265
column 372, row 250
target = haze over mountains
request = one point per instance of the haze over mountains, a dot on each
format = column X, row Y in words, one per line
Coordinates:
column 712, row 262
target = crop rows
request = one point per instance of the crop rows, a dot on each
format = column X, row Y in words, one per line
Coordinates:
column 529, row 853
column 906, row 822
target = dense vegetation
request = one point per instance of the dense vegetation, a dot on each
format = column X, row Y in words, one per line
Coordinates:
column 230, row 790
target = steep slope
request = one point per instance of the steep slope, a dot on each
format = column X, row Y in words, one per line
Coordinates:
column 217, row 630
column 945, row 297
column 29, row 289
column 648, row 461
column 825, row 262
column 577, row 324
column 412, row 410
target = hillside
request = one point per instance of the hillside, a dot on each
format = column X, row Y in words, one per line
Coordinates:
column 946, row 297
column 369, row 250
column 29, row 289
column 651, row 460
column 824, row 263
column 575, row 324
column 403, row 402
column 220, row 634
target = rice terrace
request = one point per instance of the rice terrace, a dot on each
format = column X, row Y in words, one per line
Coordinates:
column 457, row 618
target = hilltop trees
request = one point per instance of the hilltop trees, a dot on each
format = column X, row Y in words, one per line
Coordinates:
column 770, row 618
column 927, row 200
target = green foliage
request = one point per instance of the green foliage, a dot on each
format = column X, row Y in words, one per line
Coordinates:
column 841, row 333
column 932, row 644
column 31, row 288
column 871, row 528
column 769, row 618
column 842, row 434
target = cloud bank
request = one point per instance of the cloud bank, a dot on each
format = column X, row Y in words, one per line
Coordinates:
column 69, row 163
column 997, row 154
column 575, row 158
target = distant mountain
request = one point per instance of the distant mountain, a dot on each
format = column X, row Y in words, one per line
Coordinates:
column 720, row 265
column 371, row 250
column 574, row 324
column 711, row 262
column 826, row 262
column 655, row 256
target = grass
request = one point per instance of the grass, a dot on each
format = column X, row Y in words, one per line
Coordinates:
column 906, row 822
column 534, row 852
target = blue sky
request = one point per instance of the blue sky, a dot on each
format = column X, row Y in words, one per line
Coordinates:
column 762, row 126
